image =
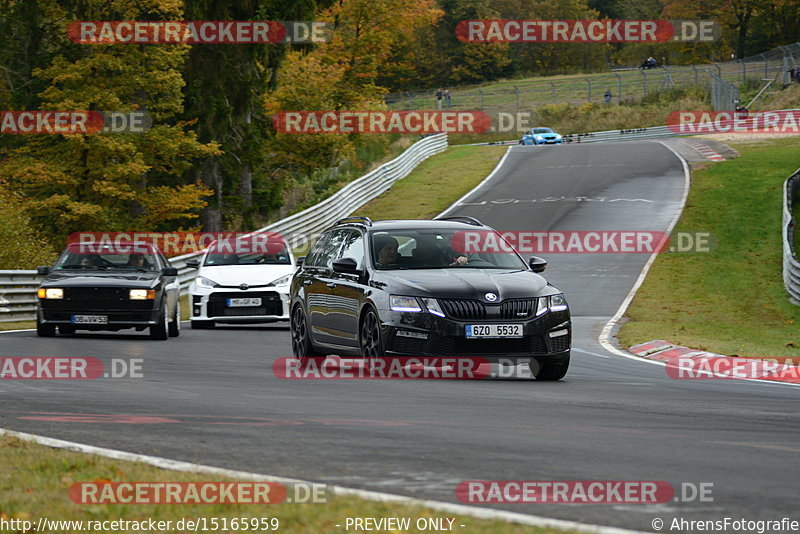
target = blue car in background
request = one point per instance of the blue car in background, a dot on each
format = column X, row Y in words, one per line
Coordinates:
column 541, row 136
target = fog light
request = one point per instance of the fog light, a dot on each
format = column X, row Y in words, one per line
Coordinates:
column 557, row 333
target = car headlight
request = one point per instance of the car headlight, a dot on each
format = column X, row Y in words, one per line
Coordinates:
column 433, row 307
column 540, row 138
column 558, row 302
column 50, row 293
column 558, row 136
column 282, row 281
column 142, row 294
column 202, row 281
column 404, row 304
column 554, row 303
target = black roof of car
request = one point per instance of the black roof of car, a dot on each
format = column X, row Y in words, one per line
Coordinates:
column 445, row 223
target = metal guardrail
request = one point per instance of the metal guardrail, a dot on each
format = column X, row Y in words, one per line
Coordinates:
column 17, row 288
column 791, row 267
column 651, row 132
column 632, row 134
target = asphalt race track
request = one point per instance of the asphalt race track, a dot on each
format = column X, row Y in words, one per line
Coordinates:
column 210, row 396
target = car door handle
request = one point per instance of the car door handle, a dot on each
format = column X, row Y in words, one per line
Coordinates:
column 331, row 285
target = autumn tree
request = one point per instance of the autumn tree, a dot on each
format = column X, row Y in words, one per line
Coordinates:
column 109, row 181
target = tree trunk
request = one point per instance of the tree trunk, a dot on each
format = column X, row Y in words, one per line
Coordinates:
column 211, row 216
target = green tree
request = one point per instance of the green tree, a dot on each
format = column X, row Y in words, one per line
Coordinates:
column 121, row 181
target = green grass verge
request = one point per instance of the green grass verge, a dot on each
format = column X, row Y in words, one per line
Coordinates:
column 35, row 480
column 435, row 184
column 21, row 325
column 432, row 186
column 730, row 300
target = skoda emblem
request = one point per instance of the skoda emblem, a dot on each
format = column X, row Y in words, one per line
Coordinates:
column 491, row 297
column 244, row 287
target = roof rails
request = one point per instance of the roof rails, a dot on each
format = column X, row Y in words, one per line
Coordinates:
column 366, row 220
column 463, row 218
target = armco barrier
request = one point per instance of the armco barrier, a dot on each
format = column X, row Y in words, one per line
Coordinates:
column 791, row 267
column 17, row 288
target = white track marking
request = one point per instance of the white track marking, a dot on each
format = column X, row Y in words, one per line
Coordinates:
column 187, row 467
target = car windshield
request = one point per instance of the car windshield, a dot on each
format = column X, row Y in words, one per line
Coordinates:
column 105, row 259
column 438, row 249
column 542, row 130
column 280, row 257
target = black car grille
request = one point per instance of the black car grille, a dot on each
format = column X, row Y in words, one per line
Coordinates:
column 459, row 346
column 463, row 309
column 559, row 344
column 408, row 345
column 270, row 304
column 95, row 299
column 514, row 309
column 517, row 308
column 106, row 298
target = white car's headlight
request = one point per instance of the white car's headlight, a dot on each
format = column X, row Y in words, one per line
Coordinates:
column 433, row 307
column 282, row 281
column 202, row 281
column 404, row 304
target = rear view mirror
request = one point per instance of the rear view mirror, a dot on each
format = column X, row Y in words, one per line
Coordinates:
column 45, row 270
column 170, row 271
column 300, row 261
column 194, row 263
column 537, row 264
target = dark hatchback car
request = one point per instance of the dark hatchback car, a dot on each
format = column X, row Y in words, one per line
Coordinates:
column 109, row 287
column 398, row 288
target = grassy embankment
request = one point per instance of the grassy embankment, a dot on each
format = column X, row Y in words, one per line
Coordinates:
column 730, row 300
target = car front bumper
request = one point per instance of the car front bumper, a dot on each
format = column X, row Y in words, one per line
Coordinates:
column 425, row 334
column 117, row 319
column 211, row 304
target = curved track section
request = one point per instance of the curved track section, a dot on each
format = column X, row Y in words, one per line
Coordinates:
column 210, row 396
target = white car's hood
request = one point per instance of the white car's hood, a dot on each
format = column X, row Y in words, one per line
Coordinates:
column 233, row 275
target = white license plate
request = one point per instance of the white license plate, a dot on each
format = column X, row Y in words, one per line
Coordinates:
column 252, row 301
column 90, row 319
column 493, row 330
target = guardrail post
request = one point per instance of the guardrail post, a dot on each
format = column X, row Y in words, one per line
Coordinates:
column 516, row 99
column 480, row 91
column 696, row 81
column 589, row 90
column 619, row 87
column 766, row 65
column 553, row 87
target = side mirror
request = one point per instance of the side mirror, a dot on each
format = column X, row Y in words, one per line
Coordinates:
column 346, row 265
column 300, row 261
column 45, row 270
column 193, row 263
column 537, row 264
column 170, row 271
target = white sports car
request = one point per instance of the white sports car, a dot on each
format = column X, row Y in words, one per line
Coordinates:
column 241, row 288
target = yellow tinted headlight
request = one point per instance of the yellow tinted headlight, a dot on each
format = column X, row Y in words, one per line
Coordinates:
column 51, row 293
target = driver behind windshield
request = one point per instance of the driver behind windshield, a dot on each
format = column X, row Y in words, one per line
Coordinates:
column 386, row 246
column 138, row 260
